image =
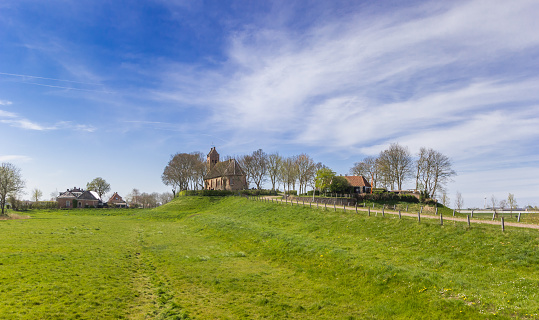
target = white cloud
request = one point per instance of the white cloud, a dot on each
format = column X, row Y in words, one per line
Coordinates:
column 362, row 79
column 14, row 158
column 455, row 76
column 23, row 123
column 5, row 103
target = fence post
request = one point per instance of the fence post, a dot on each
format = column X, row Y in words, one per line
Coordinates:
column 356, row 207
column 400, row 215
column 383, row 211
column 325, row 206
column 519, row 216
column 310, row 204
column 494, row 215
column 468, row 220
column 472, row 213
column 503, row 225
column 441, row 219
column 334, row 207
column 316, row 204
column 453, row 212
column 419, row 216
column 406, row 208
column 436, row 211
column 369, row 211
column 394, row 207
column 421, row 209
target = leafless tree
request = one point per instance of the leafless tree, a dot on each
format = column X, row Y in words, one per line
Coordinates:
column 165, row 197
column 274, row 167
column 36, row 194
column 185, row 171
column 494, row 203
column 368, row 168
column 512, row 202
column 149, row 200
column 434, row 170
column 259, row 167
column 10, row 182
column 306, row 169
column 247, row 163
column 134, row 197
column 444, row 199
column 395, row 165
column 459, row 202
column 289, row 172
column 54, row 195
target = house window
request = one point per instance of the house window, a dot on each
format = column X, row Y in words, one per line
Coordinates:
column 68, row 203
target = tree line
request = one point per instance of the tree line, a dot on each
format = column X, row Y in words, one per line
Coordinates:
column 394, row 166
column 391, row 169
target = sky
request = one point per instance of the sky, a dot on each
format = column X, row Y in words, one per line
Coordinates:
column 112, row 89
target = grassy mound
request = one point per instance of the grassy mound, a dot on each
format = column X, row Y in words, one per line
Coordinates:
column 231, row 258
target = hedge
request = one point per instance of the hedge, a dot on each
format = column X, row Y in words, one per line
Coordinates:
column 225, row 193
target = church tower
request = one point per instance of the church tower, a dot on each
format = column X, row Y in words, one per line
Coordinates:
column 213, row 158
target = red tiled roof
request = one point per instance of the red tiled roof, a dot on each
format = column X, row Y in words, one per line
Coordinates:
column 357, row 181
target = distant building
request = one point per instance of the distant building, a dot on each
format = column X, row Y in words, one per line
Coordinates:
column 117, row 201
column 79, row 198
column 359, row 184
column 225, row 175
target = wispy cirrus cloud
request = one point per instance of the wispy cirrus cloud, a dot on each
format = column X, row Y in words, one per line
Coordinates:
column 14, row 158
column 363, row 81
column 17, row 121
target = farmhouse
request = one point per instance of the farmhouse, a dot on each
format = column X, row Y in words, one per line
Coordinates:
column 79, row 198
column 359, row 184
column 117, row 201
column 225, row 175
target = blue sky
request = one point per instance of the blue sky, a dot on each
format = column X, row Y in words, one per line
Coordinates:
column 113, row 88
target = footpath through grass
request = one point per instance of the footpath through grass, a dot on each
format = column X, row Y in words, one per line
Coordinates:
column 231, row 258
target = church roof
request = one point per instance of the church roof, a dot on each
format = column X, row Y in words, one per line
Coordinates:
column 225, row 168
column 213, row 151
column 357, row 181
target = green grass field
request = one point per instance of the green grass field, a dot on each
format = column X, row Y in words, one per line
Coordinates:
column 232, row 258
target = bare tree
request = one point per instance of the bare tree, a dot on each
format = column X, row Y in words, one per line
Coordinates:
column 395, row 165
column 444, row 199
column 368, row 168
column 434, row 170
column 494, row 203
column 54, row 195
column 288, row 174
column 184, row 171
column 134, row 197
column 10, row 182
column 259, row 167
column 274, row 167
column 306, row 169
column 36, row 194
column 459, row 202
column 165, row 197
column 247, row 163
column 512, row 202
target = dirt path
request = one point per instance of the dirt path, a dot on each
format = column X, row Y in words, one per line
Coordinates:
column 423, row 216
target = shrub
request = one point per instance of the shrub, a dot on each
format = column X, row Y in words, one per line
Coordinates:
column 292, row 192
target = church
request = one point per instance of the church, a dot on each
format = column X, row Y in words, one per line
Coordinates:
column 225, row 175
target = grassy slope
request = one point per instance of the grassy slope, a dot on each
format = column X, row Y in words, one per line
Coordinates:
column 211, row 258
